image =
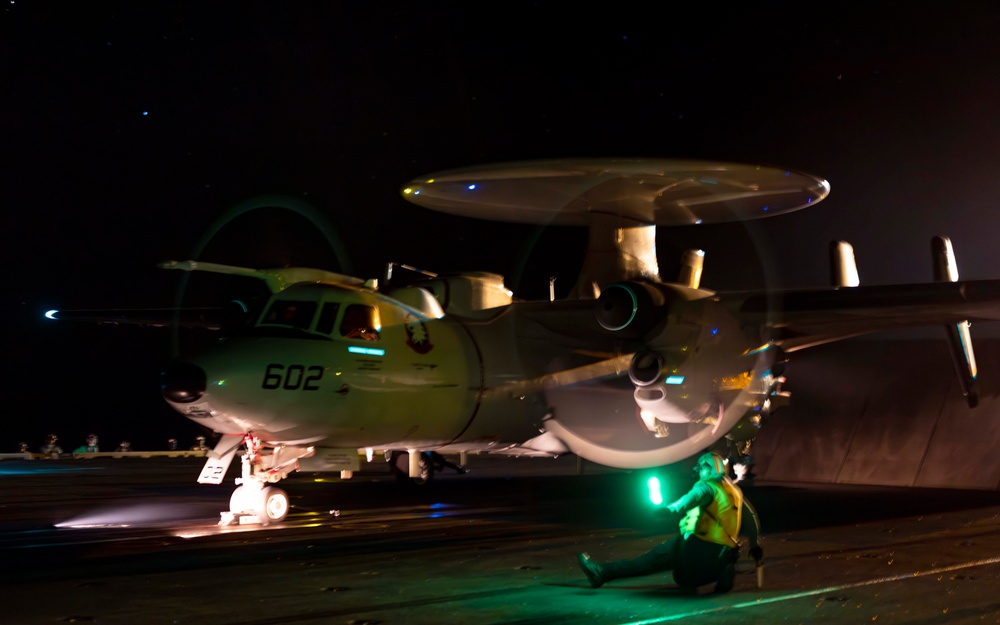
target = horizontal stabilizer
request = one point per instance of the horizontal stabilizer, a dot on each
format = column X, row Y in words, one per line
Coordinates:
column 805, row 318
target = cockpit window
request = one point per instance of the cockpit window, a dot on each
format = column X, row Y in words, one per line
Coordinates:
column 290, row 313
column 327, row 317
column 360, row 322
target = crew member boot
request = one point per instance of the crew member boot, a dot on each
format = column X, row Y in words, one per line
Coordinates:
column 727, row 576
column 591, row 569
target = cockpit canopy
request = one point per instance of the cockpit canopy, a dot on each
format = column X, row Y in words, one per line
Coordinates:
column 327, row 310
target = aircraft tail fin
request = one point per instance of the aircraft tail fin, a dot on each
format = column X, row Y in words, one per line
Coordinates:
column 692, row 264
column 843, row 267
column 959, row 339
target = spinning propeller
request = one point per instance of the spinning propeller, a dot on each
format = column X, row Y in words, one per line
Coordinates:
column 679, row 371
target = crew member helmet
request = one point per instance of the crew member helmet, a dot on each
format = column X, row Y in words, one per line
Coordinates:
column 715, row 464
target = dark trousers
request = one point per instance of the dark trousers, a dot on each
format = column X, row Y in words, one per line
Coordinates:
column 693, row 561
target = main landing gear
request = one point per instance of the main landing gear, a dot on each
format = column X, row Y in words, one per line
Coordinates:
column 255, row 500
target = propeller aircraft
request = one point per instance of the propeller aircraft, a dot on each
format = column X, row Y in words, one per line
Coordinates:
column 629, row 371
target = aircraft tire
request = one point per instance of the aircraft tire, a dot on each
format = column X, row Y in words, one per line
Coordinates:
column 236, row 503
column 275, row 505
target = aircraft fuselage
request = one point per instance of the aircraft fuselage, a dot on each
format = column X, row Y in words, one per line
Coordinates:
column 425, row 382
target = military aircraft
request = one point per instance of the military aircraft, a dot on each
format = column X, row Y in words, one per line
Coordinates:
column 629, row 371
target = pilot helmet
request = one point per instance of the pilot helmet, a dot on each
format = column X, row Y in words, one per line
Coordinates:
column 716, row 464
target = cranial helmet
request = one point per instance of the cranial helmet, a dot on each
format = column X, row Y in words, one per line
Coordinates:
column 716, row 464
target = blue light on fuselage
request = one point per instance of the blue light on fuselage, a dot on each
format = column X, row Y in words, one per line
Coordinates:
column 367, row 351
column 674, row 379
column 472, row 187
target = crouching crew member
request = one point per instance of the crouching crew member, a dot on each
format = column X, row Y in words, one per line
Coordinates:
column 715, row 515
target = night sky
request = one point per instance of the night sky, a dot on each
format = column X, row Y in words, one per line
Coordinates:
column 130, row 129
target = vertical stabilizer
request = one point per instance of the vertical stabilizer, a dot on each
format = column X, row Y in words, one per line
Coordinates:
column 692, row 264
column 843, row 268
column 959, row 338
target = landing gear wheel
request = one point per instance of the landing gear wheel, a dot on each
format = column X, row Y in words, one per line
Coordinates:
column 236, row 503
column 401, row 469
column 275, row 507
column 269, row 505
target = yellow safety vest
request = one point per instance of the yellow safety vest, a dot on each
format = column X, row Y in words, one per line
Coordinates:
column 720, row 521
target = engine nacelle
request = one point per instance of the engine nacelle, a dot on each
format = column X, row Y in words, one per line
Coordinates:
column 633, row 309
column 696, row 374
column 699, row 370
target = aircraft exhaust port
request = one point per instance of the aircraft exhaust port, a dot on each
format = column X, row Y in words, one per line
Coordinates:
column 182, row 383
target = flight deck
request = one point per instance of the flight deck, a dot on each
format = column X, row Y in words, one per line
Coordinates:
column 136, row 541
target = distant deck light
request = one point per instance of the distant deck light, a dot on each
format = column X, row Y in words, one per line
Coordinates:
column 472, row 187
column 51, row 314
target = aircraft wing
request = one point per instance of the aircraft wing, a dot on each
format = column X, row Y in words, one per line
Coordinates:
column 202, row 318
column 232, row 314
column 805, row 318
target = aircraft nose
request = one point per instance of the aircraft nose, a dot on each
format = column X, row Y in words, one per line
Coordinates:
column 182, row 383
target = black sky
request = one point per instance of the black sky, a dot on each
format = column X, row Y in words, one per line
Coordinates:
column 131, row 128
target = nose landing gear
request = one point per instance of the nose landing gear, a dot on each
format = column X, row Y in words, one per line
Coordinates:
column 255, row 501
column 252, row 504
